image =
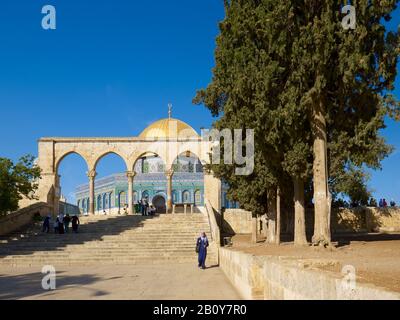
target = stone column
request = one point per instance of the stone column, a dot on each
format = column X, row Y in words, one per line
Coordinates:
column 130, row 175
column 91, row 175
column 57, row 196
column 169, row 175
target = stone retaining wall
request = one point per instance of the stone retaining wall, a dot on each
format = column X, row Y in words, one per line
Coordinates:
column 285, row 278
column 22, row 217
column 237, row 221
column 363, row 219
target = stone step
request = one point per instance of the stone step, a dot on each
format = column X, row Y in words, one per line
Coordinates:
column 83, row 234
column 98, row 256
column 110, row 240
column 101, row 249
column 85, row 262
column 101, row 244
column 101, row 255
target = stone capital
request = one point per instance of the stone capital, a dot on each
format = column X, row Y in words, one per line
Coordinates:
column 169, row 173
column 92, row 174
column 130, row 174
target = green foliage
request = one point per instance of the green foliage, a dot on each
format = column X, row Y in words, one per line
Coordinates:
column 17, row 181
column 275, row 62
column 352, row 182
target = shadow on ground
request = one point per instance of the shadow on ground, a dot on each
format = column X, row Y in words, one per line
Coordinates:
column 346, row 239
column 30, row 285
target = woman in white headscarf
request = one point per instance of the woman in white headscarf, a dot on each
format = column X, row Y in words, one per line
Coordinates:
column 201, row 248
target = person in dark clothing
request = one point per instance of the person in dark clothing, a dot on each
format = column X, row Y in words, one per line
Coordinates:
column 75, row 223
column 56, row 225
column 46, row 224
column 201, row 248
column 67, row 220
column 147, row 207
column 61, row 225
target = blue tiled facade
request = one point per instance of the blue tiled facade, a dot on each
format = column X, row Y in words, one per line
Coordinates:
column 150, row 182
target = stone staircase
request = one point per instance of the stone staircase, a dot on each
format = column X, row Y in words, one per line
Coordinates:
column 113, row 240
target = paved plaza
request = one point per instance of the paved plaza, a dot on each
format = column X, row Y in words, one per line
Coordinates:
column 136, row 282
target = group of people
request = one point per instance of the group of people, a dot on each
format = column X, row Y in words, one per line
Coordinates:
column 383, row 203
column 61, row 223
column 145, row 208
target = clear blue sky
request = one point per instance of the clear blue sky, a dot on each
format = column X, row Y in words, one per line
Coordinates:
column 110, row 69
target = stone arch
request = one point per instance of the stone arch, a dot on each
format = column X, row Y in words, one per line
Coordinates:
column 66, row 154
column 105, row 154
column 142, row 154
column 199, row 148
column 186, row 153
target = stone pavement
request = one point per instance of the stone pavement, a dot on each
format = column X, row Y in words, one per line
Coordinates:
column 136, row 282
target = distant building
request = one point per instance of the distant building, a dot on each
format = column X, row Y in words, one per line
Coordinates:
column 150, row 181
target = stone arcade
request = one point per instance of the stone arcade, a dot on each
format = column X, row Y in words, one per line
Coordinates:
column 164, row 143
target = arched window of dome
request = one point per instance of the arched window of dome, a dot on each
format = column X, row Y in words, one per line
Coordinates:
column 99, row 202
column 174, row 196
column 197, row 197
column 110, row 201
column 105, row 201
column 145, row 194
column 186, row 196
column 122, row 199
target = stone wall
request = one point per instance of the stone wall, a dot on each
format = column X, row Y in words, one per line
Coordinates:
column 363, row 219
column 21, row 218
column 236, row 221
column 280, row 278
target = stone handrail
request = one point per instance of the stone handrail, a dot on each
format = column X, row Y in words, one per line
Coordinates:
column 215, row 232
column 18, row 219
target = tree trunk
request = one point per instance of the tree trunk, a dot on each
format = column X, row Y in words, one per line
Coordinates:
column 265, row 225
column 299, row 213
column 271, row 220
column 320, row 172
column 278, row 216
column 254, row 228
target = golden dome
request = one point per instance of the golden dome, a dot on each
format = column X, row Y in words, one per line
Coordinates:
column 169, row 128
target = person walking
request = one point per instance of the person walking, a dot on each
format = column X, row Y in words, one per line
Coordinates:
column 46, row 224
column 67, row 220
column 201, row 249
column 75, row 223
